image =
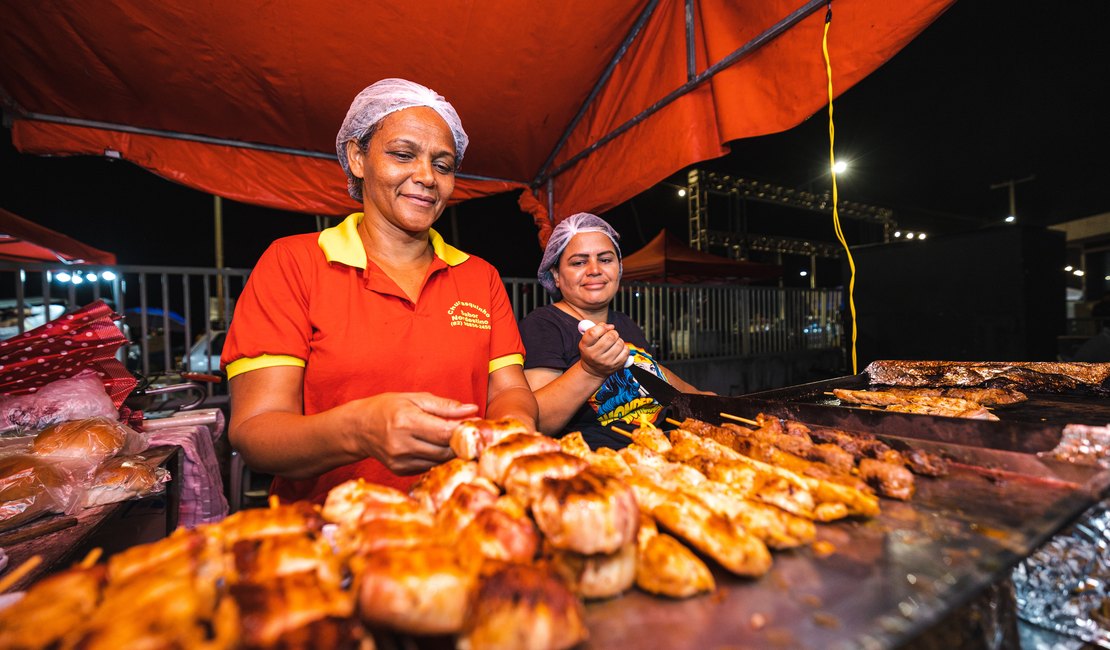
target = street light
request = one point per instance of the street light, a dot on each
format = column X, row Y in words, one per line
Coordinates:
column 839, row 167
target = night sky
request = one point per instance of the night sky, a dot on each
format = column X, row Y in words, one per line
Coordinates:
column 992, row 91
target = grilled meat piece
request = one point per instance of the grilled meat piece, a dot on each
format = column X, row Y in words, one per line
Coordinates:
column 950, row 407
column 419, row 593
column 762, row 444
column 870, row 397
column 266, row 559
column 988, row 396
column 926, row 464
column 774, row 527
column 55, row 605
column 574, row 444
column 471, row 437
column 437, row 484
column 495, row 534
column 495, row 460
column 465, row 503
column 526, row 473
column 587, row 513
column 604, row 575
column 272, row 609
column 890, row 480
column 255, row 523
column 691, row 520
column 667, row 568
column 346, row 501
column 523, row 607
column 833, row 456
column 833, row 500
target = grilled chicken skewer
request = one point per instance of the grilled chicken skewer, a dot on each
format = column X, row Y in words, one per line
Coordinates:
column 668, row 568
column 921, row 404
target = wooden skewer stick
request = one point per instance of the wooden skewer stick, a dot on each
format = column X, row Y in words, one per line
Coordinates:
column 17, row 573
column 91, row 558
column 740, row 419
column 620, row 431
column 674, row 422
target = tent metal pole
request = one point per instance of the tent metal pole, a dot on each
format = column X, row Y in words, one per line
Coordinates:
column 551, row 200
column 190, row 137
column 602, row 80
column 751, row 46
column 691, row 60
column 218, row 214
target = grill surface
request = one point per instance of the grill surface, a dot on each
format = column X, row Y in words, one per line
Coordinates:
column 892, row 577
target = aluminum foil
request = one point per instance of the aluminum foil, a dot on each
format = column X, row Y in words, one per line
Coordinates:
column 1065, row 585
column 1084, row 444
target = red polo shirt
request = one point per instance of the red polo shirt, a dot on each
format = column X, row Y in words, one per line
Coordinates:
column 315, row 301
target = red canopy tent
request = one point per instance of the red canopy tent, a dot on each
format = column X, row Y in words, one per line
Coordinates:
column 25, row 241
column 667, row 259
column 580, row 103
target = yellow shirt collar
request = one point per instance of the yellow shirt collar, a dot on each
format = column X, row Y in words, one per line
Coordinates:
column 342, row 244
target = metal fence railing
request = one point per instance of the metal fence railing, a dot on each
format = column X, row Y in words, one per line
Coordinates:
column 706, row 321
column 175, row 317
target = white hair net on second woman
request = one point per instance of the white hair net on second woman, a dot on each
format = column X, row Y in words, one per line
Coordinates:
column 561, row 236
column 382, row 98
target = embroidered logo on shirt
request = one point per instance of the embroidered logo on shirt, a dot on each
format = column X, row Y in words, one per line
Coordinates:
column 467, row 314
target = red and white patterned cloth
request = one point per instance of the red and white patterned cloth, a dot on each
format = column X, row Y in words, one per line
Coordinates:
column 64, row 347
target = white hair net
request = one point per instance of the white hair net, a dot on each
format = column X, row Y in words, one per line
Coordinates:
column 561, row 236
column 382, row 98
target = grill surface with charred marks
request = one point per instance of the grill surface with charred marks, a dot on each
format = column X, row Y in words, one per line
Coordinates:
column 1028, row 427
column 889, row 579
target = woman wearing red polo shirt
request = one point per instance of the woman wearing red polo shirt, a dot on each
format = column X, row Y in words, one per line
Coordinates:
column 353, row 352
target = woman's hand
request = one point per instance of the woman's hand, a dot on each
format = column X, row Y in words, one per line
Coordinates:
column 408, row 432
column 602, row 350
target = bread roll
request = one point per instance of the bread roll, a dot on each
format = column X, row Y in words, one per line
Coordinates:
column 28, row 489
column 123, row 478
column 94, row 439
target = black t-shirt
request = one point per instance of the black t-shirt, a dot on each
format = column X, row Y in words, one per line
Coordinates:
column 551, row 340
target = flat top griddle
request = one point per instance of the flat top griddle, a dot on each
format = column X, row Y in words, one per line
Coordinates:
column 1032, row 426
column 892, row 577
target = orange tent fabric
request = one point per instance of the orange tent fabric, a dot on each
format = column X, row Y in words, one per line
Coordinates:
column 243, row 99
column 24, row 241
column 668, row 259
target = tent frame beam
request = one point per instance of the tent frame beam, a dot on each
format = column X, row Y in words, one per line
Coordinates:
column 644, row 16
column 748, row 48
column 205, row 139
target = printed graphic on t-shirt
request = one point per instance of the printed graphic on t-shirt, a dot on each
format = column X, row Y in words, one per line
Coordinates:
column 621, row 398
column 468, row 314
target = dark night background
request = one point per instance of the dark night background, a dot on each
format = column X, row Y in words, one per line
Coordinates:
column 992, row 91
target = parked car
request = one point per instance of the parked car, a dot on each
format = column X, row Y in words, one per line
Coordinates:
column 204, row 356
column 34, row 315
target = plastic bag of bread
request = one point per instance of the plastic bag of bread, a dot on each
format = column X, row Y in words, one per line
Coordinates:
column 32, row 486
column 122, row 478
column 92, row 440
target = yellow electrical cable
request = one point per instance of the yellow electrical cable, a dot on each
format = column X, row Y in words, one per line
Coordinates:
column 835, row 199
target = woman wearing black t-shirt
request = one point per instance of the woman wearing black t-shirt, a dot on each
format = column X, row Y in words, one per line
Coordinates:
column 580, row 379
